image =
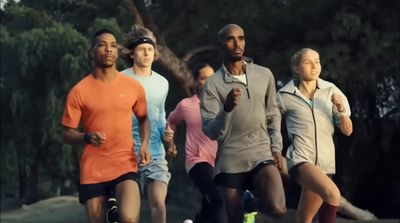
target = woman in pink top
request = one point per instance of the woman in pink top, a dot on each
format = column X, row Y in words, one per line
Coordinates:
column 200, row 150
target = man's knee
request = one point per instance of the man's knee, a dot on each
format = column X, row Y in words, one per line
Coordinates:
column 279, row 210
column 276, row 209
column 128, row 218
column 158, row 205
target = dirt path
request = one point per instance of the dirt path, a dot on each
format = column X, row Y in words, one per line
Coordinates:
column 66, row 209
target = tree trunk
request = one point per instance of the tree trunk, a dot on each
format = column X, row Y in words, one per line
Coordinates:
column 177, row 68
column 32, row 194
column 168, row 60
column 22, row 179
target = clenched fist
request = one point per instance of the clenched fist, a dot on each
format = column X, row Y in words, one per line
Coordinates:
column 338, row 100
column 232, row 99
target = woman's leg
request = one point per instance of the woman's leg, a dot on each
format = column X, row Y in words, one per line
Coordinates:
column 309, row 204
column 317, row 187
column 212, row 204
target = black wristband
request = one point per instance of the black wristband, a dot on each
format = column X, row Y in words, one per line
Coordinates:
column 86, row 138
column 225, row 109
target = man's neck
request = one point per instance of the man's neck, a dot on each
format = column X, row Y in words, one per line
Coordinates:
column 235, row 67
column 105, row 74
column 141, row 71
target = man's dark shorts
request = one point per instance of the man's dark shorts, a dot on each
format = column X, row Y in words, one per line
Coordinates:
column 88, row 191
column 243, row 180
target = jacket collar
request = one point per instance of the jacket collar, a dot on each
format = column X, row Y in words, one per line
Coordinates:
column 229, row 77
column 292, row 88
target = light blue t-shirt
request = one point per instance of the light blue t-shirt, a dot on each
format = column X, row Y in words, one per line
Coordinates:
column 156, row 89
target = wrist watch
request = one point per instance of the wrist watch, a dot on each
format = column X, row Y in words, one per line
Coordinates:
column 87, row 138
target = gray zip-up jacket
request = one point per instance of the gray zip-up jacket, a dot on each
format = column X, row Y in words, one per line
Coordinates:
column 311, row 124
column 247, row 135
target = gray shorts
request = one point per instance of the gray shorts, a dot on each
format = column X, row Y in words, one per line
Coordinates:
column 156, row 170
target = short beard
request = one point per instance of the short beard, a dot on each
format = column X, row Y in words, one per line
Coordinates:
column 104, row 65
column 234, row 58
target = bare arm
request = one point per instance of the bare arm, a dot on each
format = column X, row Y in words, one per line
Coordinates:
column 73, row 136
column 346, row 125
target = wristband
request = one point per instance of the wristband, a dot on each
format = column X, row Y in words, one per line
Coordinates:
column 87, row 138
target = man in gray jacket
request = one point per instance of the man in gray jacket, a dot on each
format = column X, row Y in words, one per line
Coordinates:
column 239, row 110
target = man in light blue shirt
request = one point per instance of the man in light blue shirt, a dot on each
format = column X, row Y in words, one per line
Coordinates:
column 154, row 178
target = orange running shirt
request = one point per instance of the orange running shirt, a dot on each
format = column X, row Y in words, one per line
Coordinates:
column 106, row 107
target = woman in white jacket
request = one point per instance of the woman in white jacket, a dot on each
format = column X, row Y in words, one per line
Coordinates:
column 311, row 107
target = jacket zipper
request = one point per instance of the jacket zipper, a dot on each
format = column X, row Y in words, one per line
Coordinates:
column 247, row 87
column 315, row 125
column 315, row 133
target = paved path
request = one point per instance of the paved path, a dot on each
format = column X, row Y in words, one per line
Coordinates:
column 66, row 209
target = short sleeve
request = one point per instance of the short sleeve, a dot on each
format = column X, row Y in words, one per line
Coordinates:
column 73, row 109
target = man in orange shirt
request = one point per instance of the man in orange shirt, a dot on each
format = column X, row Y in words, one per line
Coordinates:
column 103, row 103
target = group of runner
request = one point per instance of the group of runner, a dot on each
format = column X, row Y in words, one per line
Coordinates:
column 233, row 132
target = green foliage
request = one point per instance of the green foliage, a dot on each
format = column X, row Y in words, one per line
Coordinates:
column 9, row 168
column 20, row 18
column 101, row 23
column 39, row 66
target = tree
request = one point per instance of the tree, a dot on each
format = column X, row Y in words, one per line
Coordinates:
column 38, row 67
column 359, row 49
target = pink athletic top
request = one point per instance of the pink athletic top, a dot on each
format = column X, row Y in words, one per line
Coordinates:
column 199, row 148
